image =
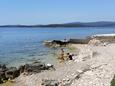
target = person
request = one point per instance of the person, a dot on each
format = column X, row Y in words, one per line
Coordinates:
column 70, row 57
column 65, row 40
column 61, row 57
column 62, row 54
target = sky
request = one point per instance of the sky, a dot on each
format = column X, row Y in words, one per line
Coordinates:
column 32, row 12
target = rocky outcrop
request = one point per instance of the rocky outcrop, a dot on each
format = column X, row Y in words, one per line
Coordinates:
column 35, row 67
column 13, row 72
column 56, row 43
column 79, row 41
column 8, row 73
column 64, row 43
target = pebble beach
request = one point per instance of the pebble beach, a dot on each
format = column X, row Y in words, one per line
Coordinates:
column 93, row 66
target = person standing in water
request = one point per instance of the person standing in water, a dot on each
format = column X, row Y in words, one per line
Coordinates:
column 61, row 56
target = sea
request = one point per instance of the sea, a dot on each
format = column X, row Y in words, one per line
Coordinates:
column 24, row 45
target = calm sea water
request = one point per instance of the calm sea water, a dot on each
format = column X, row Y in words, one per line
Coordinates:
column 22, row 45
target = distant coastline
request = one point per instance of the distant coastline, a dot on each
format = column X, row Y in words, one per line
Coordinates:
column 74, row 24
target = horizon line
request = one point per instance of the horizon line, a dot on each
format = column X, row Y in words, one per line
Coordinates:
column 56, row 23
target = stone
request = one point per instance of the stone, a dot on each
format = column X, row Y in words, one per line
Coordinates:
column 50, row 66
column 12, row 73
column 50, row 83
column 3, row 68
column 2, row 75
column 36, row 67
column 21, row 69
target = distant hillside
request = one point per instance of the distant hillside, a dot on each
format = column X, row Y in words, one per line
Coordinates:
column 80, row 24
column 74, row 24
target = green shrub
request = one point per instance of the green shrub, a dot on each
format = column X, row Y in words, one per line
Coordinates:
column 113, row 81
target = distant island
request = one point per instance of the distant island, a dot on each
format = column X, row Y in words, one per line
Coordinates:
column 74, row 24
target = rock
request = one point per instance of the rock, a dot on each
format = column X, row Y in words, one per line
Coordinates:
column 2, row 76
column 95, row 42
column 79, row 41
column 21, row 69
column 36, row 67
column 50, row 66
column 12, row 73
column 3, row 68
column 50, row 83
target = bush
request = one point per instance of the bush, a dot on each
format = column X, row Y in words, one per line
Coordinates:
column 113, row 81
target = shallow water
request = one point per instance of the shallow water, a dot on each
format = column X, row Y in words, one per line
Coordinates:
column 23, row 45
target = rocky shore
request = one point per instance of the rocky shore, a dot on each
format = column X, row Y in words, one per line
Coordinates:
column 93, row 66
column 10, row 73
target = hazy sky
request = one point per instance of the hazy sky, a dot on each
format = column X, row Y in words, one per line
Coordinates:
column 55, row 11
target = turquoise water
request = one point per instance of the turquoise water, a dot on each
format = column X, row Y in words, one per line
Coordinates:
column 22, row 45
